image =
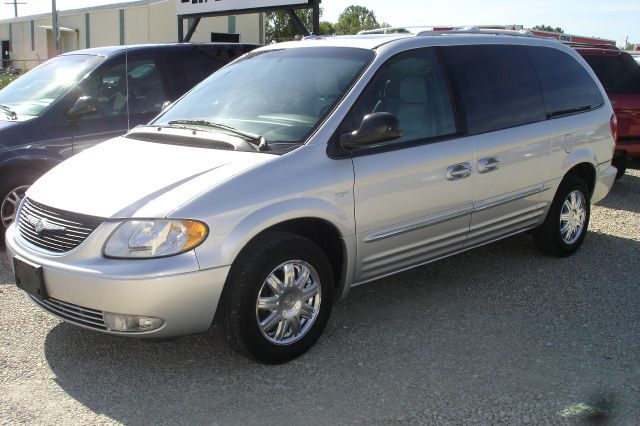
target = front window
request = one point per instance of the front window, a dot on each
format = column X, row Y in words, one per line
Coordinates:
column 280, row 95
column 30, row 94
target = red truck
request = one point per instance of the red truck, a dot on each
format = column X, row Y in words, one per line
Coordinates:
column 619, row 73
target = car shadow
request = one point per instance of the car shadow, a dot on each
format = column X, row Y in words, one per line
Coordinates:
column 489, row 323
column 624, row 195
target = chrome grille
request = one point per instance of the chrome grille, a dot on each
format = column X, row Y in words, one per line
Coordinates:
column 52, row 229
column 72, row 313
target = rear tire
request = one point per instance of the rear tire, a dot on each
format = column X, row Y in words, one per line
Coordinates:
column 621, row 164
column 565, row 226
column 277, row 299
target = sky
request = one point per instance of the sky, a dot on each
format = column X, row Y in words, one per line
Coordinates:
column 609, row 19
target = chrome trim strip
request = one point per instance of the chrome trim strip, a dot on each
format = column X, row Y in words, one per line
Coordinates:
column 453, row 215
column 442, row 217
column 377, row 277
column 484, row 206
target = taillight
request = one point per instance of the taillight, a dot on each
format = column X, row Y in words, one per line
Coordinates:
column 614, row 127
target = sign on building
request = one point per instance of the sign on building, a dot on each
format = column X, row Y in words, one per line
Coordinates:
column 191, row 7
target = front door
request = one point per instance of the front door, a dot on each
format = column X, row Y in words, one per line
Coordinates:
column 413, row 195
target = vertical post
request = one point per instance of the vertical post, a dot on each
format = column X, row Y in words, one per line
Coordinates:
column 87, row 29
column 316, row 17
column 180, row 30
column 55, row 28
column 121, row 20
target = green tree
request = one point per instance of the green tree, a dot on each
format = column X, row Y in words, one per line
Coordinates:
column 327, row 28
column 548, row 28
column 279, row 26
column 354, row 19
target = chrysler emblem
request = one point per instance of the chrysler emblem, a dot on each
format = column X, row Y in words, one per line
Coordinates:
column 41, row 225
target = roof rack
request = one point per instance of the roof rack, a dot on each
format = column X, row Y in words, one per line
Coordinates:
column 476, row 30
column 433, row 31
column 601, row 46
column 392, row 30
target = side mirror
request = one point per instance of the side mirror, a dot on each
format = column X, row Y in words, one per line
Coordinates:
column 85, row 105
column 166, row 105
column 375, row 128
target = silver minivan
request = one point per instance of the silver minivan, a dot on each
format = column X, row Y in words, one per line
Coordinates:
column 306, row 168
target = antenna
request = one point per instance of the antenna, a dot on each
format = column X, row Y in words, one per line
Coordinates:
column 15, row 4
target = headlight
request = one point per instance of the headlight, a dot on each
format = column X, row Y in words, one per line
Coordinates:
column 147, row 238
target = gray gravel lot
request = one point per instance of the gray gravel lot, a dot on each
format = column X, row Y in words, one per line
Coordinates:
column 500, row 334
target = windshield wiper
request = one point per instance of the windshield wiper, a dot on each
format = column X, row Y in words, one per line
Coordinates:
column 256, row 139
column 10, row 113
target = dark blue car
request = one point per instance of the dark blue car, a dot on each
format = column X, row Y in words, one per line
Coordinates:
column 79, row 99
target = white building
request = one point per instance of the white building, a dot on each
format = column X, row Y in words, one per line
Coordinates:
column 28, row 41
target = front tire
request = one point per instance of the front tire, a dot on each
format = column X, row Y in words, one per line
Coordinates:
column 12, row 191
column 277, row 299
column 565, row 226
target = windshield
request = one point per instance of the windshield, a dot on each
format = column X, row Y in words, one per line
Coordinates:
column 618, row 74
column 280, row 95
column 30, row 94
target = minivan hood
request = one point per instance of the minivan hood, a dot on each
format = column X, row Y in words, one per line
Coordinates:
column 131, row 178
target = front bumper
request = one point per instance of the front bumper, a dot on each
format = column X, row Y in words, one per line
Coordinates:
column 604, row 181
column 81, row 287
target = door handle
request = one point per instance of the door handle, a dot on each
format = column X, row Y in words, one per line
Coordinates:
column 458, row 171
column 489, row 164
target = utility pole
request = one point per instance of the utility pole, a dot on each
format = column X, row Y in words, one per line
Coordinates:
column 55, row 28
column 15, row 4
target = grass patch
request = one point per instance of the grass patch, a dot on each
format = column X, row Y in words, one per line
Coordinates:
column 6, row 79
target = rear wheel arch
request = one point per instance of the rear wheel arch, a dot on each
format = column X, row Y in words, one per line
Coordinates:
column 585, row 171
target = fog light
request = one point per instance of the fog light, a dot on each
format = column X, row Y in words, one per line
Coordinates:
column 120, row 322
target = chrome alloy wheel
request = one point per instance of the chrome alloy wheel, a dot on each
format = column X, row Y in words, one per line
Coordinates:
column 572, row 217
column 9, row 206
column 288, row 302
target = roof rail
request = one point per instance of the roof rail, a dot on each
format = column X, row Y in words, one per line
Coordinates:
column 601, row 46
column 476, row 30
column 391, row 30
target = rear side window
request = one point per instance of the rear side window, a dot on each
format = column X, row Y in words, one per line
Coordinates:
column 618, row 73
column 566, row 85
column 497, row 84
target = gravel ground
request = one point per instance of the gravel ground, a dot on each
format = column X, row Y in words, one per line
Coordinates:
column 500, row 334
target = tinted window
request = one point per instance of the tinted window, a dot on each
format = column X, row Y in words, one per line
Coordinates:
column 497, row 84
column 108, row 86
column 412, row 86
column 618, row 73
column 146, row 91
column 566, row 85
